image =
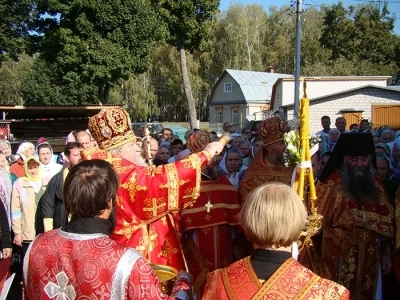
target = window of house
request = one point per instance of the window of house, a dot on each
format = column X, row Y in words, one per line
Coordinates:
column 219, row 117
column 234, row 116
column 228, row 87
column 265, row 114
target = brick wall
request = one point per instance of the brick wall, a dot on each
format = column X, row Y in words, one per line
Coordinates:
column 317, row 88
column 361, row 99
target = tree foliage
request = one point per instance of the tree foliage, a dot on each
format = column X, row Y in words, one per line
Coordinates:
column 97, row 42
column 15, row 21
column 40, row 87
column 188, row 23
column 85, row 45
column 362, row 32
column 11, row 78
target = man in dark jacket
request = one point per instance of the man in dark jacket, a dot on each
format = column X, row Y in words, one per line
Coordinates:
column 52, row 207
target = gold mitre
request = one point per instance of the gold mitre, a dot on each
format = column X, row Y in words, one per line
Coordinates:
column 111, row 128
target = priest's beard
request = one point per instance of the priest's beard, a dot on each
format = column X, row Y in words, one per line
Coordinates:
column 359, row 183
column 212, row 172
column 113, row 220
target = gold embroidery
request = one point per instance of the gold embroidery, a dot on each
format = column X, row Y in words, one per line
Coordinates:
column 153, row 238
column 173, row 184
column 153, row 207
column 132, row 187
column 207, row 217
column 216, row 187
column 206, row 230
column 118, row 201
column 164, row 221
column 167, row 250
column 189, row 220
column 129, row 228
column 151, row 171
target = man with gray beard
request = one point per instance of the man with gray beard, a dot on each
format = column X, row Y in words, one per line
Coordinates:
column 209, row 225
column 360, row 269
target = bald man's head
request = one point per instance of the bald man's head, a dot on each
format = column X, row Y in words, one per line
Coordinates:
column 84, row 138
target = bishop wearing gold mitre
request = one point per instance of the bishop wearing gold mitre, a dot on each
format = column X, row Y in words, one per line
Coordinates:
column 147, row 196
column 269, row 165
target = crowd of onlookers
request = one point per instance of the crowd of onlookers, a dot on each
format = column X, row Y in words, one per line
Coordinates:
column 24, row 175
column 386, row 141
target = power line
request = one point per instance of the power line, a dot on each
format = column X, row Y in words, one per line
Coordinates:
column 377, row 1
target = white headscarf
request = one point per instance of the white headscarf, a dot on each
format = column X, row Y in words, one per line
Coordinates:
column 22, row 148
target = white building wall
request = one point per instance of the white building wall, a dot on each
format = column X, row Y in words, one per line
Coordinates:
column 318, row 88
column 359, row 100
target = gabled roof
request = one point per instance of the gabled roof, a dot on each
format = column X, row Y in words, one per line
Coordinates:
column 255, row 86
column 348, row 91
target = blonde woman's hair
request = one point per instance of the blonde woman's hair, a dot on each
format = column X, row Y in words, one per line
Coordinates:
column 273, row 215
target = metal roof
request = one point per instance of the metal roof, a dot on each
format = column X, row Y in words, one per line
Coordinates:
column 256, row 86
column 348, row 91
column 18, row 112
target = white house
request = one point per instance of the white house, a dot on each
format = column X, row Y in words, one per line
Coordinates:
column 283, row 90
column 378, row 104
column 238, row 96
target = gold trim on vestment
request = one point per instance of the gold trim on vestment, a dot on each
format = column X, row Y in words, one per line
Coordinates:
column 173, row 186
column 227, row 284
column 216, row 187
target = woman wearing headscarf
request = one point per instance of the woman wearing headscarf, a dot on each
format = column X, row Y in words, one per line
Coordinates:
column 333, row 137
column 45, row 154
column 233, row 167
column 384, row 170
column 4, row 166
column 395, row 158
column 162, row 156
column 27, row 191
column 25, row 150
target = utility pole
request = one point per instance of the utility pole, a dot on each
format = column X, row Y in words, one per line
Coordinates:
column 297, row 59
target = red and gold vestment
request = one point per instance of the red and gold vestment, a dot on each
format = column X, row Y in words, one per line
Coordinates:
column 66, row 265
column 208, row 227
column 337, row 233
column 260, row 172
column 396, row 260
column 290, row 281
column 359, row 266
column 146, row 201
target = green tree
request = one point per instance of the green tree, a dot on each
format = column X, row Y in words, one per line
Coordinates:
column 40, row 86
column 97, row 42
column 15, row 19
column 362, row 32
column 139, row 97
column 188, row 23
column 11, row 78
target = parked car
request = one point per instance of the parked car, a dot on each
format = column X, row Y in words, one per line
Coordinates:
column 253, row 127
column 155, row 128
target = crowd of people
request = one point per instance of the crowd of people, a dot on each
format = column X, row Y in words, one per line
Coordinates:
column 92, row 222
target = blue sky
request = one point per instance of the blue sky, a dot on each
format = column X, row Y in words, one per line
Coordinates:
column 393, row 5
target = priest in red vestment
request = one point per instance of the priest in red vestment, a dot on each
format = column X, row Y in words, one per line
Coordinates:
column 272, row 218
column 269, row 165
column 80, row 261
column 350, row 169
column 210, row 225
column 148, row 196
column 336, row 236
